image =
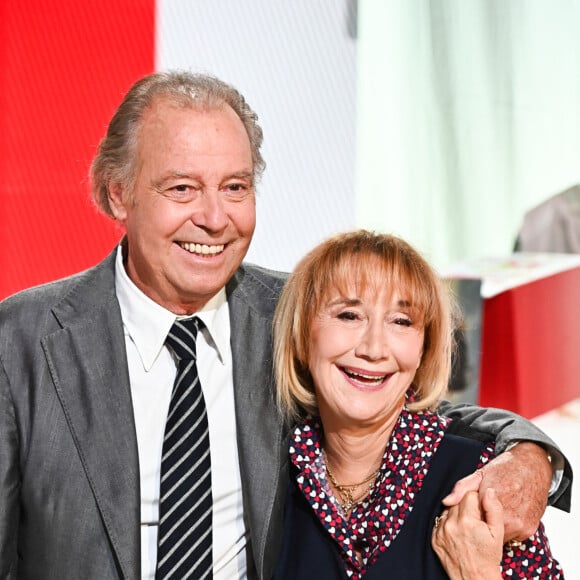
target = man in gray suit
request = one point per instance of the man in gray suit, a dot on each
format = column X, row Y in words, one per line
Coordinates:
column 85, row 377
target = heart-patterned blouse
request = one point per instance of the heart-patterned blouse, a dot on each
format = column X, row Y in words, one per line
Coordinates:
column 375, row 522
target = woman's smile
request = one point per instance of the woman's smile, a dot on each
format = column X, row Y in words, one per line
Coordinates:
column 364, row 379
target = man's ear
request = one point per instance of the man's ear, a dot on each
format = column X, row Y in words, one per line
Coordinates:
column 117, row 201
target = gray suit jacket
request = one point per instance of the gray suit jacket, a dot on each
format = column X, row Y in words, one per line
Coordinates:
column 69, row 473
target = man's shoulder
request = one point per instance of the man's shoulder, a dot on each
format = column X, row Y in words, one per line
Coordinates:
column 30, row 302
column 259, row 279
column 258, row 287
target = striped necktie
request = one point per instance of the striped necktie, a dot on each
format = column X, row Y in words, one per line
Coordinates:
column 185, row 500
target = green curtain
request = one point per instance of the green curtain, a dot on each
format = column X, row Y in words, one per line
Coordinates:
column 468, row 114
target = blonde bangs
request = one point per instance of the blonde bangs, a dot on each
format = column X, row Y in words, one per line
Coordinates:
column 355, row 264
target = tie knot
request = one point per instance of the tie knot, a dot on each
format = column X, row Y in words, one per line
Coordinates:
column 182, row 336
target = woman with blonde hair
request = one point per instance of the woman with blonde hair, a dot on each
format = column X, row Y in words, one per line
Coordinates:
column 363, row 340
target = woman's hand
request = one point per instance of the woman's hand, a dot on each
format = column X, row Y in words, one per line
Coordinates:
column 468, row 538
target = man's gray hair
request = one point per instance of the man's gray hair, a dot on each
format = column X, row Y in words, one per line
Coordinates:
column 116, row 157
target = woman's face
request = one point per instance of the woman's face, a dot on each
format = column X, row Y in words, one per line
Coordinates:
column 364, row 351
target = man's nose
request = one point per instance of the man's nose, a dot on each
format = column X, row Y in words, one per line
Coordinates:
column 209, row 212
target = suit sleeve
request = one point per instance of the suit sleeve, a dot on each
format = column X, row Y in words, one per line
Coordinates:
column 506, row 427
column 9, row 480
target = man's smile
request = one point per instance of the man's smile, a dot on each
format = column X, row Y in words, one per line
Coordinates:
column 202, row 249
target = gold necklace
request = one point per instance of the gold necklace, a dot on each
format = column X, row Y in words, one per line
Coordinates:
column 346, row 491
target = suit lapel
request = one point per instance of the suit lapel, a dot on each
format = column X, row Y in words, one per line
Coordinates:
column 262, row 440
column 87, row 362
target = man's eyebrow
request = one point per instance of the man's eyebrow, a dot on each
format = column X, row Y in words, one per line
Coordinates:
column 244, row 173
column 159, row 183
column 248, row 175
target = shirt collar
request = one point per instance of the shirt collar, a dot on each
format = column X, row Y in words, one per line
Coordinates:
column 147, row 323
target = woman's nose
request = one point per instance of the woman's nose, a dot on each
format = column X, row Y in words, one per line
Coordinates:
column 373, row 344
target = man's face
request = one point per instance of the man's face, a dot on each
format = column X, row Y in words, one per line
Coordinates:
column 192, row 215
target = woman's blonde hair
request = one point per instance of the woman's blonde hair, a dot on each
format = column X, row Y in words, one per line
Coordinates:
column 370, row 261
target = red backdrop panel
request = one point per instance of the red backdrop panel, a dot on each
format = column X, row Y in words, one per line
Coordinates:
column 64, row 67
column 530, row 356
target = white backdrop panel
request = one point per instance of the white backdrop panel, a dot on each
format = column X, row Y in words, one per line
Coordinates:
column 295, row 64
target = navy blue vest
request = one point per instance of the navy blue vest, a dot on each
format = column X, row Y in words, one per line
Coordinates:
column 308, row 551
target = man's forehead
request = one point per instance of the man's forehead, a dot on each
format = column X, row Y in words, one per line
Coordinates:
column 213, row 131
column 163, row 103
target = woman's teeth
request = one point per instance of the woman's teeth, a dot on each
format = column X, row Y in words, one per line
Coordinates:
column 360, row 377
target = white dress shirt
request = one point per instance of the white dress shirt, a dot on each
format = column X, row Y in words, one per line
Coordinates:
column 151, row 373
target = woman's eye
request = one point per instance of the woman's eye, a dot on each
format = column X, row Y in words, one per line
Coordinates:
column 347, row 316
column 403, row 322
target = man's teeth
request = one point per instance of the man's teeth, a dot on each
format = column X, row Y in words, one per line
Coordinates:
column 203, row 249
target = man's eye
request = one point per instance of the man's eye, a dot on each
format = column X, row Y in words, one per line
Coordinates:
column 186, row 188
column 182, row 192
column 180, row 189
column 237, row 189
